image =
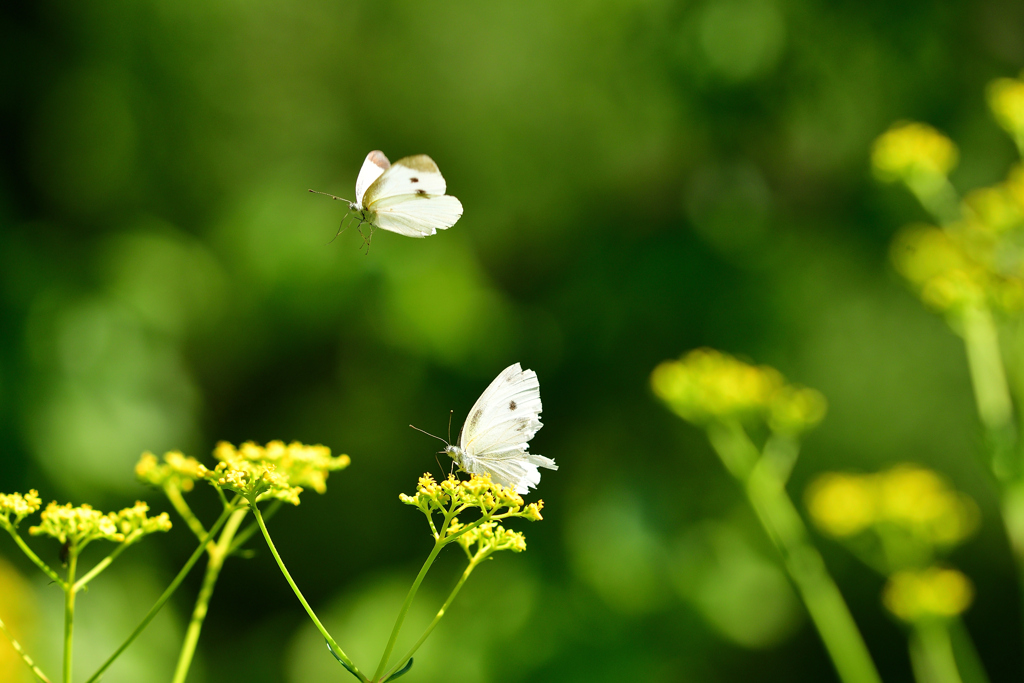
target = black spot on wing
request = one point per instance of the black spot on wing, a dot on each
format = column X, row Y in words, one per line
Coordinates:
column 421, row 193
column 414, row 180
column 511, row 405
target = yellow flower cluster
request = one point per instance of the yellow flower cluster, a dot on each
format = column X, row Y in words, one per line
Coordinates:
column 935, row 592
column 300, row 465
column 176, row 469
column 489, row 537
column 909, row 497
column 19, row 505
column 708, row 385
column 453, row 496
column 82, row 524
column 1006, row 99
column 912, row 152
column 977, row 257
column 277, row 470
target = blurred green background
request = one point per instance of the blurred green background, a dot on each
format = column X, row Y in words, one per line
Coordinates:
column 640, row 177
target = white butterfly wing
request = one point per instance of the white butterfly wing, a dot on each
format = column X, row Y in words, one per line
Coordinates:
column 416, row 215
column 496, row 434
column 373, row 167
column 408, row 198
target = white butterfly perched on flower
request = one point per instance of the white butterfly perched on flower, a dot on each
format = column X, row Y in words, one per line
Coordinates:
column 497, row 430
column 407, row 197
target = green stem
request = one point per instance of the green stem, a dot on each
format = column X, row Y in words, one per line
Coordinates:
column 780, row 519
column 166, row 595
column 70, row 591
column 173, row 494
column 245, row 534
column 32, row 556
column 480, row 557
column 931, row 654
column 991, row 389
column 106, row 561
column 969, row 662
column 309, row 610
column 439, row 543
column 24, row 655
column 218, row 554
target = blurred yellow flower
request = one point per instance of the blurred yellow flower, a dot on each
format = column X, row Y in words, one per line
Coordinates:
column 1006, row 99
column 19, row 505
column 913, row 595
column 841, row 504
column 707, row 385
column 912, row 498
column 910, row 150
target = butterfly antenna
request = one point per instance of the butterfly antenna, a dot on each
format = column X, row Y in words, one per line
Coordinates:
column 450, row 413
column 429, row 434
column 340, row 199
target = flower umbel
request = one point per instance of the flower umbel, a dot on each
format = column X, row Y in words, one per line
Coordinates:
column 81, row 525
column 708, row 386
column 177, row 469
column 19, row 506
column 454, row 496
column 935, row 592
column 273, row 471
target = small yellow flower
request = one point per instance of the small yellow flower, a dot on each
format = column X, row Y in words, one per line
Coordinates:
column 841, row 504
column 19, row 505
column 81, row 525
column 934, row 592
column 177, row 469
column 275, row 470
column 708, row 385
column 908, row 151
column 908, row 497
column 1006, row 99
column 454, row 496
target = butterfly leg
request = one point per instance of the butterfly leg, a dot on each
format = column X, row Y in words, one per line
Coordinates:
column 341, row 228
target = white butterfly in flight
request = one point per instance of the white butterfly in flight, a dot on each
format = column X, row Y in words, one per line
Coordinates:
column 496, row 433
column 406, row 197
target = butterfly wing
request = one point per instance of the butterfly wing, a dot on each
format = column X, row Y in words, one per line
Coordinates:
column 408, row 198
column 496, row 434
column 374, row 166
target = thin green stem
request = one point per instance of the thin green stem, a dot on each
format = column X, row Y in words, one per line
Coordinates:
column 69, row 612
column 166, row 595
column 438, row 545
column 780, row 519
column 32, row 556
column 309, row 610
column 24, row 655
column 106, row 561
column 173, row 494
column 480, row 557
column 218, row 554
column 245, row 534
column 931, row 654
column 991, row 389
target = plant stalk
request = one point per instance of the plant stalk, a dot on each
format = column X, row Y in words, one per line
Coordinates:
column 440, row 613
column 217, row 554
column 780, row 519
column 36, row 671
column 168, row 592
column 309, row 610
column 70, row 591
column 931, row 654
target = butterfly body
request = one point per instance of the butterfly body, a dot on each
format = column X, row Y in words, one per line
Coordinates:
column 407, row 197
column 495, row 437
